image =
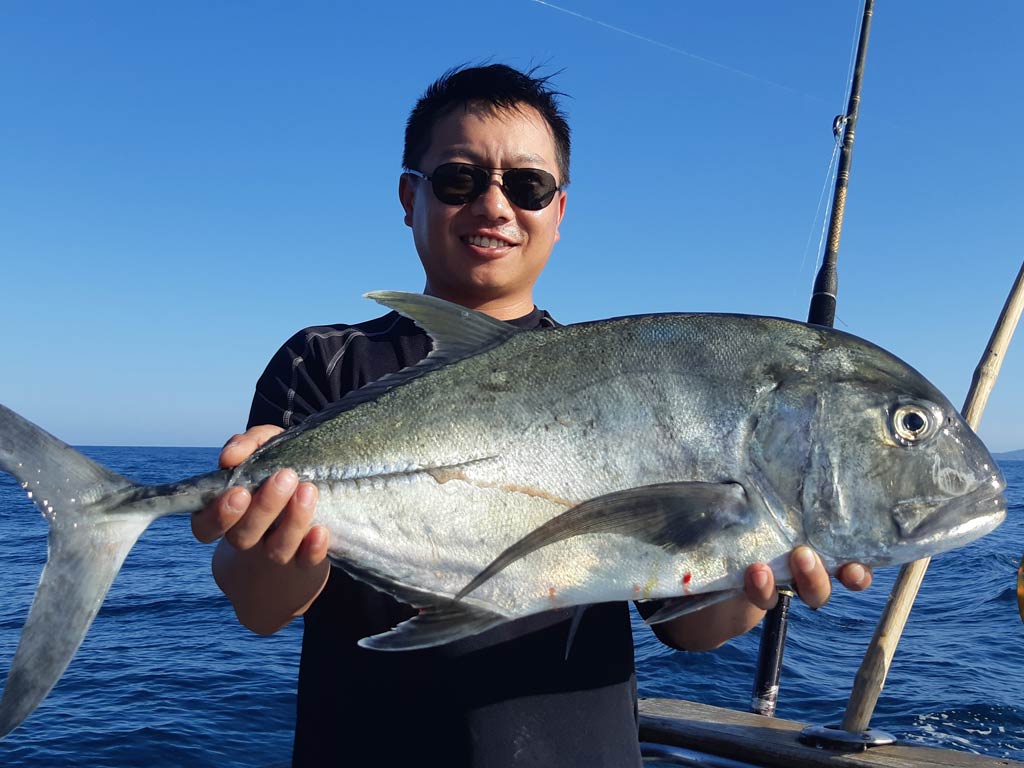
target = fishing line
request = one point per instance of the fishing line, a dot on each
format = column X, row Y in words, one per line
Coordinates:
column 854, row 35
column 830, row 177
column 833, row 165
column 674, row 49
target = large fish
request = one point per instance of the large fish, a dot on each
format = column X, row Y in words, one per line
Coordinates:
column 514, row 472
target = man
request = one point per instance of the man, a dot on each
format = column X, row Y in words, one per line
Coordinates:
column 484, row 192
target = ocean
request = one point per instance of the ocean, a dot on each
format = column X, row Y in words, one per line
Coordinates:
column 167, row 677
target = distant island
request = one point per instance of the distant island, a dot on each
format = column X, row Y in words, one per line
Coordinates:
column 1010, row 455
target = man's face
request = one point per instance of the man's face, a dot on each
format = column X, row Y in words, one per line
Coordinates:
column 486, row 253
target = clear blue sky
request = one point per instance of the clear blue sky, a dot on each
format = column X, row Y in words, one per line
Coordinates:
column 183, row 185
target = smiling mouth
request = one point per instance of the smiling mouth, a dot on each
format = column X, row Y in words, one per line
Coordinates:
column 486, row 242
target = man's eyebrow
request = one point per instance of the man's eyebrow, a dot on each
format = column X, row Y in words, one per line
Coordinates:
column 518, row 161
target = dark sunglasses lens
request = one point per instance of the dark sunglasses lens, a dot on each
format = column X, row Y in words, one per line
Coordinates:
column 529, row 188
column 458, row 183
column 461, row 183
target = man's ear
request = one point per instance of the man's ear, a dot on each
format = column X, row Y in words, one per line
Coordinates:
column 407, row 196
column 561, row 215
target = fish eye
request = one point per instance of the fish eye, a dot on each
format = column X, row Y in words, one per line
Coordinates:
column 912, row 423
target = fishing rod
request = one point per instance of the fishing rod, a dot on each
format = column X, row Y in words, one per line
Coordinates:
column 822, row 312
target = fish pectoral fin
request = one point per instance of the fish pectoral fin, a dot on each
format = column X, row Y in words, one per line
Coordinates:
column 674, row 516
column 658, row 611
column 442, row 622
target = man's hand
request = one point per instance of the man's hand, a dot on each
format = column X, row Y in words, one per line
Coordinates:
column 220, row 515
column 711, row 627
column 270, row 563
column 811, row 580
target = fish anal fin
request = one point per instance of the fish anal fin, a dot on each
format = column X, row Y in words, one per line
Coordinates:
column 577, row 617
column 675, row 516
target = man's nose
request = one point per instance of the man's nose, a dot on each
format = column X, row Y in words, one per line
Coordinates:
column 492, row 202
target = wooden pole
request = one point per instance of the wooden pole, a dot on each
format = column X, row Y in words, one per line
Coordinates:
column 871, row 676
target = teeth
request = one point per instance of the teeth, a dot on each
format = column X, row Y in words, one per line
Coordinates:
column 485, row 242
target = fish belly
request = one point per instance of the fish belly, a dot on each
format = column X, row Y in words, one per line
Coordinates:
column 436, row 535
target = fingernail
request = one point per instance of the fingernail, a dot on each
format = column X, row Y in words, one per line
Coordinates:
column 306, row 494
column 235, row 502
column 760, row 579
column 286, row 479
column 856, row 572
column 803, row 560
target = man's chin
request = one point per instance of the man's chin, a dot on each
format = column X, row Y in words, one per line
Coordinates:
column 504, row 299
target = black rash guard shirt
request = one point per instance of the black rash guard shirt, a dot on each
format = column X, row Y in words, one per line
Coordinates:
column 507, row 697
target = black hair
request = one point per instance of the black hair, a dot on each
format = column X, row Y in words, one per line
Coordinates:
column 495, row 85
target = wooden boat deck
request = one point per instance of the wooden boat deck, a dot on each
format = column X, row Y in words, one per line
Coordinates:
column 770, row 741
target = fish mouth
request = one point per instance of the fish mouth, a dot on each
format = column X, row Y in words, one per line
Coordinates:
column 949, row 523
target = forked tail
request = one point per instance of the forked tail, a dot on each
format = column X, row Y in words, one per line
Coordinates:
column 95, row 518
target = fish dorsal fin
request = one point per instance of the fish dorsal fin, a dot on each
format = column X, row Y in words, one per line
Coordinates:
column 456, row 333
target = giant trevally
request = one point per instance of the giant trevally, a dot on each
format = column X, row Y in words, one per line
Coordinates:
column 515, row 472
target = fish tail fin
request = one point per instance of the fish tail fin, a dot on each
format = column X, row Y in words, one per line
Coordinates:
column 94, row 522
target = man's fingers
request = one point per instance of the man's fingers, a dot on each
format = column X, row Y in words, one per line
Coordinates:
column 759, row 586
column 212, row 521
column 855, row 576
column 266, row 506
column 292, row 525
column 220, row 515
column 313, row 549
column 811, row 579
column 240, row 447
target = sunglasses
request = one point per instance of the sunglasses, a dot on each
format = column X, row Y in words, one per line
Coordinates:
column 459, row 183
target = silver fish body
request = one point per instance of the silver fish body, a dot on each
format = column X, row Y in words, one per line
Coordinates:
column 759, row 434
column 515, row 472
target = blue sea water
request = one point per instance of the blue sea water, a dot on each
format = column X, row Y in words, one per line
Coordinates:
column 167, row 677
